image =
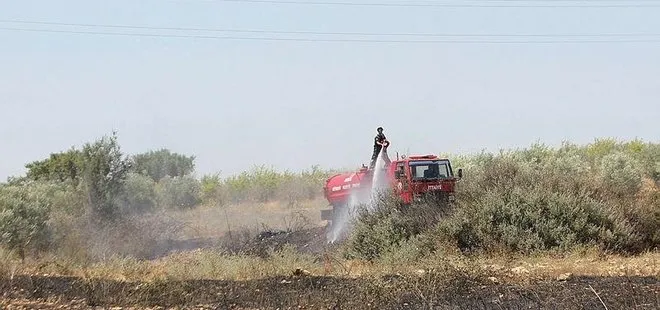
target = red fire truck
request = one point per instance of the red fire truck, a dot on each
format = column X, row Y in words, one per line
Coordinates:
column 409, row 178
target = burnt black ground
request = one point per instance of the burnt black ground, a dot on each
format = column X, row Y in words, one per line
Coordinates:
column 315, row 292
column 307, row 241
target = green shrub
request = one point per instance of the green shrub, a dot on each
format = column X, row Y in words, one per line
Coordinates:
column 542, row 199
column 263, row 184
column 178, row 192
column 600, row 148
column 390, row 225
column 104, row 170
column 57, row 167
column 24, row 218
column 530, row 220
column 644, row 217
column 139, row 193
column 304, row 186
column 213, row 190
column 621, row 174
column 161, row 163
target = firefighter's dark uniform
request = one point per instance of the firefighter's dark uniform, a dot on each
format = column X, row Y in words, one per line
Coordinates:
column 380, row 138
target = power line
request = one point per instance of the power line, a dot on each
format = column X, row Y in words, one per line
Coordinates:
column 447, row 5
column 155, row 35
column 323, row 33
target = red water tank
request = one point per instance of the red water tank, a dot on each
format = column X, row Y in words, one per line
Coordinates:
column 337, row 189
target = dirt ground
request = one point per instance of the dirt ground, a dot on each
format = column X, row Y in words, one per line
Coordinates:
column 307, row 292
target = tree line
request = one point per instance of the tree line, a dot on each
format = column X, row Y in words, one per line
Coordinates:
column 101, row 185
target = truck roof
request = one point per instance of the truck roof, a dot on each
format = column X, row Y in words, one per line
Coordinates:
column 421, row 157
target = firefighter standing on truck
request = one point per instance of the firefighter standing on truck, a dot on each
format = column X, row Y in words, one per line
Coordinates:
column 379, row 142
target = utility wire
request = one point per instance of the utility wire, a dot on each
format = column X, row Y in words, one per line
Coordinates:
column 447, row 5
column 16, row 21
column 155, row 35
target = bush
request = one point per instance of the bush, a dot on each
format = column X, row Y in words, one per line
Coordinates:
column 139, row 193
column 390, row 225
column 536, row 220
column 178, row 192
column 542, row 199
column 620, row 174
column 263, row 184
column 161, row 163
column 104, row 170
column 24, row 218
column 213, row 190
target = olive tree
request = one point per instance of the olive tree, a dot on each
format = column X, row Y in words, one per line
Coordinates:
column 162, row 163
column 104, row 170
column 24, row 212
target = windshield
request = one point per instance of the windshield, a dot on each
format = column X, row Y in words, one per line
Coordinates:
column 429, row 170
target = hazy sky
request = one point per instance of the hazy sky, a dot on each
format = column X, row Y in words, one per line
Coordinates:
column 290, row 104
